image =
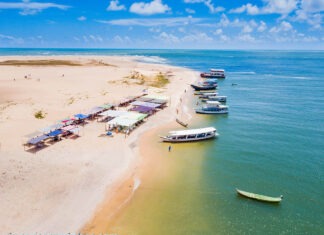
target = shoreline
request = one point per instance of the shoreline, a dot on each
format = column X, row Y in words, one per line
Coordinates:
column 114, row 204
column 54, row 173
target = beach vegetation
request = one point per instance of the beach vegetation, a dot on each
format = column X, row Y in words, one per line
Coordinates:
column 71, row 100
column 40, row 63
column 159, row 81
column 39, row 114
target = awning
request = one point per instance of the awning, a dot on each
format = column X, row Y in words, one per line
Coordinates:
column 134, row 116
column 106, row 106
column 54, row 133
column 38, row 139
column 142, row 109
column 68, row 128
column 158, row 97
column 144, row 99
column 146, row 104
column 34, row 134
column 122, row 121
column 95, row 110
column 81, row 116
column 113, row 113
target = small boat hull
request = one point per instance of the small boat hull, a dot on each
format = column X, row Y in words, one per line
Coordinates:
column 259, row 197
column 208, row 75
column 181, row 123
column 200, row 88
column 200, row 111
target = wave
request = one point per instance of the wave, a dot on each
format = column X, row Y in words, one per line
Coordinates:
column 288, row 77
column 151, row 59
column 137, row 183
column 243, row 72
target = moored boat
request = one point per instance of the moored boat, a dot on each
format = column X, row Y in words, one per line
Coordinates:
column 214, row 73
column 212, row 107
column 214, row 98
column 181, row 123
column 259, row 197
column 200, row 87
column 190, row 135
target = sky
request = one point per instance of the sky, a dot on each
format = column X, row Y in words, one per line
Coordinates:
column 159, row 24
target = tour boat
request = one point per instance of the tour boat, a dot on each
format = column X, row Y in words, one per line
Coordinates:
column 214, row 73
column 214, row 98
column 200, row 87
column 190, row 135
column 212, row 107
column 259, row 197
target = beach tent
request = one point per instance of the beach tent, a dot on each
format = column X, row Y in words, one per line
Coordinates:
column 37, row 139
column 95, row 110
column 113, row 113
column 158, row 97
column 81, row 116
column 55, row 133
column 143, row 109
column 122, row 121
column 33, row 135
column 106, row 106
column 146, row 104
column 134, row 116
column 144, row 99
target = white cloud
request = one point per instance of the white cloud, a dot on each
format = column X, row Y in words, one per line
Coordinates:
column 262, row 27
column 310, row 12
column 176, row 21
column 31, row 8
column 11, row 39
column 246, row 38
column 283, row 7
column 93, row 38
column 120, row 39
column 168, row 38
column 312, row 5
column 283, row 27
column 82, row 18
column 114, row 6
column 249, row 8
column 247, row 29
column 190, row 11
column 224, row 21
column 209, row 4
column 151, row 8
column 218, row 32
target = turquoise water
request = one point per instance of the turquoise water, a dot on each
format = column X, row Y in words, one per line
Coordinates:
column 271, row 143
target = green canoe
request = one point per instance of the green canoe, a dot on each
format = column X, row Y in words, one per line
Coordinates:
column 259, row 197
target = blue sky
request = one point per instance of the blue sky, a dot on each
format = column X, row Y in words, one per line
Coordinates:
column 197, row 24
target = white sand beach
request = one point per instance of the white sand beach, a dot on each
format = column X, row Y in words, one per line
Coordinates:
column 57, row 189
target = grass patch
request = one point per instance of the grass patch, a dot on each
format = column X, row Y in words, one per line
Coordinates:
column 40, row 114
column 40, row 63
column 159, row 81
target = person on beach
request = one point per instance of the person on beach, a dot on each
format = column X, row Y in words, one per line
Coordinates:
column 169, row 148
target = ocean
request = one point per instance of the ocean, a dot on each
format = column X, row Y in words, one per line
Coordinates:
column 271, row 142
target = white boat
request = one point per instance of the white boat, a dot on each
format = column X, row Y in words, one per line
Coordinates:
column 214, row 98
column 212, row 107
column 190, row 135
column 214, row 73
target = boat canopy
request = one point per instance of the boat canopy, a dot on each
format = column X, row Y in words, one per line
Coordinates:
column 193, row 131
column 213, row 102
column 217, row 70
